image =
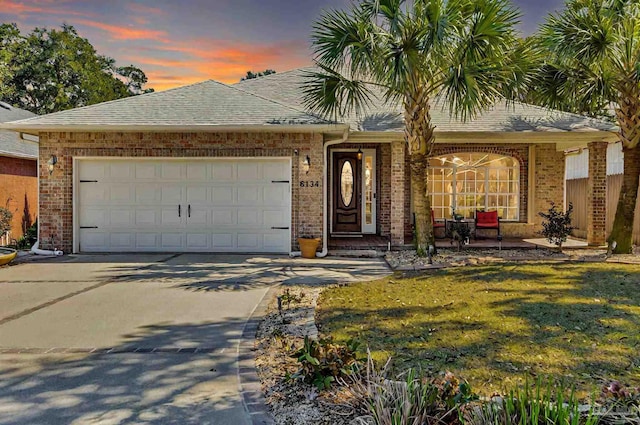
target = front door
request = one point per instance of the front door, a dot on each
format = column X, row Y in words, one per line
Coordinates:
column 347, row 184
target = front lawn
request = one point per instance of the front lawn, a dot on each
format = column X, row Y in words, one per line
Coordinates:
column 497, row 325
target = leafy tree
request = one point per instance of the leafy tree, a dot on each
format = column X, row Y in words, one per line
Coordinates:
column 251, row 75
column 465, row 52
column 592, row 57
column 53, row 70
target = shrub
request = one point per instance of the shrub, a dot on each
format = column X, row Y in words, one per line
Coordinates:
column 5, row 221
column 409, row 399
column 531, row 406
column 30, row 237
column 556, row 225
column 322, row 361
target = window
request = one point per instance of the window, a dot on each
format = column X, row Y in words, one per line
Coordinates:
column 474, row 181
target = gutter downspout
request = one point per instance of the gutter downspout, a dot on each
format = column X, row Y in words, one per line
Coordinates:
column 325, row 197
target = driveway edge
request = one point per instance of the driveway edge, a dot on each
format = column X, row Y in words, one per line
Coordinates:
column 250, row 386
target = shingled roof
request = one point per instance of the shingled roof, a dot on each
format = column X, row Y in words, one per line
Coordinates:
column 205, row 104
column 276, row 101
column 10, row 143
column 286, row 87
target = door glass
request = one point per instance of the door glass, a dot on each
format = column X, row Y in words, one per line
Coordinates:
column 346, row 183
column 368, row 190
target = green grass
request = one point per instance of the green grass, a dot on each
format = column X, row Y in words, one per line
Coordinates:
column 497, row 325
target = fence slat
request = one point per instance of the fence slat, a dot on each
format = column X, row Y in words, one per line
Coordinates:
column 577, row 195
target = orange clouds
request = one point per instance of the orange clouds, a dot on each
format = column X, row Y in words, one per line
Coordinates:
column 220, row 60
column 126, row 33
column 20, row 8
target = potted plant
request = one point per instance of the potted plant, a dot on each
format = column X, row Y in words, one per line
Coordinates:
column 308, row 244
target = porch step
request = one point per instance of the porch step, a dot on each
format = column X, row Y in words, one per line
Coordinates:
column 346, row 235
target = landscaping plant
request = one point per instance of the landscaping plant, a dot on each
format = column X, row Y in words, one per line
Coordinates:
column 535, row 405
column 322, row 361
column 556, row 225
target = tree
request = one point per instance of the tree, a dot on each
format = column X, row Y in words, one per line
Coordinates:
column 465, row 52
column 592, row 57
column 251, row 75
column 53, row 70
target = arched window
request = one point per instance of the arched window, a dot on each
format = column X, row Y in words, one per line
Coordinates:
column 468, row 182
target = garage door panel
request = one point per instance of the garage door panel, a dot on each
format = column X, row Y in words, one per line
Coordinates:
column 249, row 172
column 197, row 241
column 224, row 217
column 223, row 171
column 146, row 170
column 249, row 218
column 197, row 171
column 248, row 241
column 121, row 171
column 275, row 194
column 147, row 241
column 93, row 217
column 223, row 196
column 172, row 241
column 222, row 242
column 121, row 193
column 147, row 217
column 143, row 205
column 121, row 218
column 197, row 194
column 147, row 193
column 172, row 171
column 171, row 216
column 121, row 241
column 275, row 171
column 249, row 195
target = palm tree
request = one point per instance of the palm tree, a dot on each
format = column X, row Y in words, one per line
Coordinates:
column 593, row 55
column 460, row 51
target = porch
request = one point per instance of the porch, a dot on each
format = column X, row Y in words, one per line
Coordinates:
column 382, row 243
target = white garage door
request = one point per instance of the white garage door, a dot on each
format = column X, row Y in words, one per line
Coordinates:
column 214, row 205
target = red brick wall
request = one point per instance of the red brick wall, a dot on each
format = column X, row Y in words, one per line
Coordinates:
column 597, row 194
column 19, row 187
column 56, row 190
column 549, row 179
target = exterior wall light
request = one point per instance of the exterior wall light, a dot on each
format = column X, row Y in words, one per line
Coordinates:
column 51, row 163
column 359, row 154
column 306, row 164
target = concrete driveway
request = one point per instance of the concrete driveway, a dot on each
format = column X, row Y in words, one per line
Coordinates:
column 114, row 339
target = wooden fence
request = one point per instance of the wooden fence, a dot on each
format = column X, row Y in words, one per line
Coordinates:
column 577, row 194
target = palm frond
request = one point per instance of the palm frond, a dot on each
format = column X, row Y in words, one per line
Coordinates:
column 333, row 95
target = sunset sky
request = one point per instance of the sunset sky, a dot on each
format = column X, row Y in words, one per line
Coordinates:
column 182, row 42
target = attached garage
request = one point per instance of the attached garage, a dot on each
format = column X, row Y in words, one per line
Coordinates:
column 182, row 205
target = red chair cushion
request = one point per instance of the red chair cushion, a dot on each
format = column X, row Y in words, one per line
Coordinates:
column 487, row 219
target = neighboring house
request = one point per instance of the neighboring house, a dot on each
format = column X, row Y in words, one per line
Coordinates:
column 577, row 187
column 244, row 168
column 18, row 174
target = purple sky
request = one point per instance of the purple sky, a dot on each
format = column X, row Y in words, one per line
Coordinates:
column 181, row 42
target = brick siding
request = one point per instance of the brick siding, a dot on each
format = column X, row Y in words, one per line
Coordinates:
column 597, row 194
column 56, row 190
column 19, row 191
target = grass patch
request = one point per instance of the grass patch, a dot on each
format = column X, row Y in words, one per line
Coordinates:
column 496, row 326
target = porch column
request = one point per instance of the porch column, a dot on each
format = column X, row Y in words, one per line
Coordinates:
column 597, row 194
column 397, row 192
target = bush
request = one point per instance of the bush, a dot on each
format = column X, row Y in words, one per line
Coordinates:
column 322, row 362
column 556, row 225
column 29, row 238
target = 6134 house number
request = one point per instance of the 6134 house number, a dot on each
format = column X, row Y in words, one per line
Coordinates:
column 310, row 183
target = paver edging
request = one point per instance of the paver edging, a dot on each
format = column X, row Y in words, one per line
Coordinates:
column 250, row 384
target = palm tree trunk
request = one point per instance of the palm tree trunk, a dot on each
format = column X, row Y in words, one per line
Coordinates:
column 622, row 232
column 420, row 139
column 628, row 116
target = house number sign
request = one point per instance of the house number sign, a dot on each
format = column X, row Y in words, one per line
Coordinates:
column 309, row 183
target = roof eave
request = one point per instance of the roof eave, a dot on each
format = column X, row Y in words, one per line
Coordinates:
column 269, row 128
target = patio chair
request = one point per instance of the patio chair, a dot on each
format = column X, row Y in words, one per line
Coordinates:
column 486, row 220
column 438, row 225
